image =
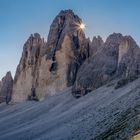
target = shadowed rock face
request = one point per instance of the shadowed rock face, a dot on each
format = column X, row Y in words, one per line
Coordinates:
column 96, row 45
column 6, row 86
column 50, row 67
column 119, row 57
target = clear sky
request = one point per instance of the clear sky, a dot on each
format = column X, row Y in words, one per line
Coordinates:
column 20, row 18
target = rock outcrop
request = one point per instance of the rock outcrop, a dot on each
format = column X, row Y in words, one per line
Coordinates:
column 27, row 72
column 0, row 84
column 128, row 57
column 6, row 86
column 119, row 58
column 96, row 45
column 50, row 67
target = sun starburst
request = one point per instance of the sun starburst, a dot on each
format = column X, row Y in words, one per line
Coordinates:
column 82, row 26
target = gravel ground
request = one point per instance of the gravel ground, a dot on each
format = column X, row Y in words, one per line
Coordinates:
column 104, row 114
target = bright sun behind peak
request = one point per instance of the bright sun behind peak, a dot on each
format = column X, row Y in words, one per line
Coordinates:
column 82, row 26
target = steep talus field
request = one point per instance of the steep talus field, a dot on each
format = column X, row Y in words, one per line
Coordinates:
column 105, row 113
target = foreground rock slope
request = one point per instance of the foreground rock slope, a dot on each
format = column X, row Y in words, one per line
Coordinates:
column 103, row 114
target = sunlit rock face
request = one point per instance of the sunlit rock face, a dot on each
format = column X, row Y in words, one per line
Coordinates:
column 50, row 67
column 118, row 58
column 6, row 86
column 128, row 58
column 27, row 72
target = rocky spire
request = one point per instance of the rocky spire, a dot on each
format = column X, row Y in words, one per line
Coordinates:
column 27, row 72
column 32, row 51
column 65, row 24
column 6, row 86
column 66, row 28
column 96, row 45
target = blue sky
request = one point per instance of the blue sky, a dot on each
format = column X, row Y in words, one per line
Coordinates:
column 20, row 18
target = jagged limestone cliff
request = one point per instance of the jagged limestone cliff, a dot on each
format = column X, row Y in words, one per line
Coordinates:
column 118, row 58
column 51, row 67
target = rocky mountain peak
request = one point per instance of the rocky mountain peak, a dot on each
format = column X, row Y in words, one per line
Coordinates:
column 97, row 41
column 32, row 50
column 96, row 44
column 68, row 12
column 128, row 58
column 66, row 23
column 8, row 75
column 129, row 41
column 33, row 44
column 68, row 16
column 65, row 29
column 6, row 87
column 127, row 47
column 114, row 39
column 118, row 58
